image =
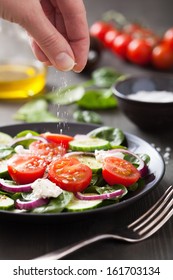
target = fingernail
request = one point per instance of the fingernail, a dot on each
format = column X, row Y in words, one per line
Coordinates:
column 64, row 62
column 77, row 71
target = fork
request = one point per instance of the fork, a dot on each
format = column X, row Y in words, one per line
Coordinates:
column 142, row 228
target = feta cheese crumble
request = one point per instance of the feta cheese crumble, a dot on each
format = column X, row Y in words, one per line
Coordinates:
column 43, row 188
column 19, row 149
column 100, row 155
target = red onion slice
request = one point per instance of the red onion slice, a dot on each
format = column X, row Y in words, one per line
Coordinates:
column 29, row 205
column 104, row 196
column 30, row 137
column 71, row 154
column 14, row 188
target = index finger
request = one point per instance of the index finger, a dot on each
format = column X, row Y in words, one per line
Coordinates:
column 75, row 19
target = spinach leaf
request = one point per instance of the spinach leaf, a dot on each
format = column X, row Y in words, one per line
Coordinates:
column 66, row 96
column 5, row 138
column 139, row 184
column 35, row 110
column 87, row 117
column 43, row 116
column 31, row 107
column 95, row 99
column 105, row 77
column 55, row 205
column 135, row 160
column 107, row 189
column 115, row 136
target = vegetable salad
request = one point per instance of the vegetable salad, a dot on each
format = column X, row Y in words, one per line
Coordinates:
column 52, row 173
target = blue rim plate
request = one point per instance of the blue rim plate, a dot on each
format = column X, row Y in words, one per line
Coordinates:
column 135, row 144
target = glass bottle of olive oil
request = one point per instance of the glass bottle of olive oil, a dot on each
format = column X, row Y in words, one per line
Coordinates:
column 21, row 74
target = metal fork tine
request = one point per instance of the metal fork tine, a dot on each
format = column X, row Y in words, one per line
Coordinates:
column 155, row 213
column 159, row 224
column 142, row 220
column 163, row 213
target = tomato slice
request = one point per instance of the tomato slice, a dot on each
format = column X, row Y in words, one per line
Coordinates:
column 119, row 171
column 48, row 151
column 25, row 169
column 60, row 139
column 70, row 174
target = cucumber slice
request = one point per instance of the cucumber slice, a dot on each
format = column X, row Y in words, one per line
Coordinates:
column 6, row 202
column 77, row 205
column 88, row 159
column 89, row 144
column 115, row 136
column 4, row 170
column 5, row 138
column 5, row 152
column 91, row 162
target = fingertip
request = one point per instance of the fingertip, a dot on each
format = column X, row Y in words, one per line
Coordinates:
column 64, row 62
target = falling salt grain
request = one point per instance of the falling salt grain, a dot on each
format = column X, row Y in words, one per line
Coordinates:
column 158, row 149
column 153, row 145
column 166, row 155
column 168, row 149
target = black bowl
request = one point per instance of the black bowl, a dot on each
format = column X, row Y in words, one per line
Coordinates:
column 145, row 114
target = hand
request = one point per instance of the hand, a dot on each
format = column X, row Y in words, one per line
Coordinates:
column 58, row 30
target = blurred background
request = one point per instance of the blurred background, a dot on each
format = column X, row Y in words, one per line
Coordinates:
column 155, row 15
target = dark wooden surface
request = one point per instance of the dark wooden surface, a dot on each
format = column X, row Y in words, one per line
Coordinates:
column 19, row 240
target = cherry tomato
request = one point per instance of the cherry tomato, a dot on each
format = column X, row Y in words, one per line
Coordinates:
column 162, row 57
column 48, row 151
column 110, row 37
column 120, row 43
column 25, row 169
column 168, row 37
column 60, row 139
column 139, row 51
column 119, row 171
column 70, row 174
column 99, row 29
